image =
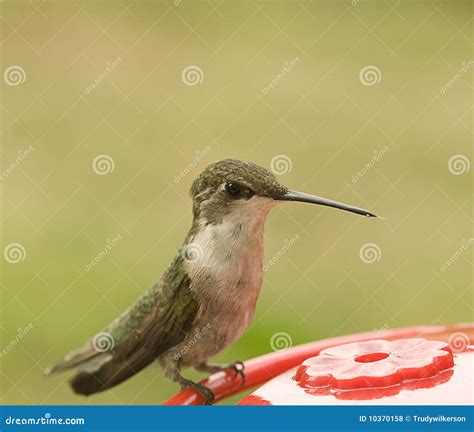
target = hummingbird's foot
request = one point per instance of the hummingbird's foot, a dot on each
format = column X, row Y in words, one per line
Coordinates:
column 238, row 367
column 206, row 393
column 172, row 371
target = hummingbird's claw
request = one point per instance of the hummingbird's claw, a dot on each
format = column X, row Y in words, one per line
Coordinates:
column 206, row 393
column 239, row 368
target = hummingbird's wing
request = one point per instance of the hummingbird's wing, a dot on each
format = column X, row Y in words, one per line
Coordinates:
column 159, row 320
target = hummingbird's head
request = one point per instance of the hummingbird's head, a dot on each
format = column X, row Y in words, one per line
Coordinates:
column 242, row 191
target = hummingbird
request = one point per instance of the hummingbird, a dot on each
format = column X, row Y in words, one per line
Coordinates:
column 206, row 298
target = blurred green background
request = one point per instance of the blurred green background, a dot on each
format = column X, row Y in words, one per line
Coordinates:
column 324, row 115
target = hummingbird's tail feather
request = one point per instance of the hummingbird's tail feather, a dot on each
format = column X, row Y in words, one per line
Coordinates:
column 158, row 321
column 108, row 375
column 73, row 360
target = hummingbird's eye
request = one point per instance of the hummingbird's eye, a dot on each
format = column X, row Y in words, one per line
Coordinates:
column 233, row 188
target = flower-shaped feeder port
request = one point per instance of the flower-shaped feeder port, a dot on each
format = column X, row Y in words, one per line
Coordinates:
column 376, row 368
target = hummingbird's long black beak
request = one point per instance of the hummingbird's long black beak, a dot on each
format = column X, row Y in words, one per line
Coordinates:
column 304, row 197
